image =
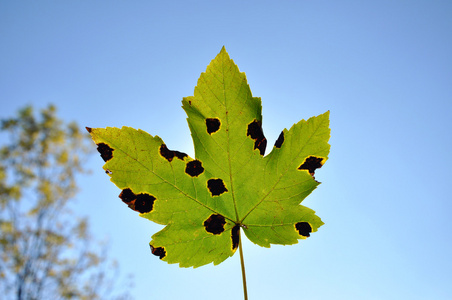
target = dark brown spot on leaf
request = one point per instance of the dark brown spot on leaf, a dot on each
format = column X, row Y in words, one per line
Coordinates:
column 88, row 129
column 144, row 203
column 311, row 164
column 105, row 151
column 213, row 124
column 303, row 228
column 280, row 140
column 170, row 154
column 255, row 132
column 166, row 153
column 194, row 168
column 216, row 186
column 235, row 237
column 215, row 224
column 158, row 251
column 180, row 155
column 141, row 203
column 127, row 196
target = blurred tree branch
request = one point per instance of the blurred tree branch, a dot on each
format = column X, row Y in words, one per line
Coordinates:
column 46, row 251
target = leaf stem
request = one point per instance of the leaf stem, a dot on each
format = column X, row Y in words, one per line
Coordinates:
column 242, row 263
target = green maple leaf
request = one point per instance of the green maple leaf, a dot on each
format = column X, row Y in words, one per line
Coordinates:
column 230, row 185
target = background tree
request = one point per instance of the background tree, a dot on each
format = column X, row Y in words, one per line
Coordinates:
column 45, row 250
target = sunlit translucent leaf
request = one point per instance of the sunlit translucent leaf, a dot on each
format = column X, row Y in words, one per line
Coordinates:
column 230, row 185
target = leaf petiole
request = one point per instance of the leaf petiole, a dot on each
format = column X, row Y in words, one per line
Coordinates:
column 242, row 264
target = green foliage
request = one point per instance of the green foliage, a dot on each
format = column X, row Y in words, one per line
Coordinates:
column 230, row 185
column 45, row 250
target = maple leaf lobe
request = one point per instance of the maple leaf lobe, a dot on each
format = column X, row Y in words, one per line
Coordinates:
column 215, row 224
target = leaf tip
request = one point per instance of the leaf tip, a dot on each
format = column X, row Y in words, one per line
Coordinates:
column 224, row 53
column 89, row 129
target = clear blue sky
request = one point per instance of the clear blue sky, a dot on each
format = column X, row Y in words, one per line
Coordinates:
column 382, row 68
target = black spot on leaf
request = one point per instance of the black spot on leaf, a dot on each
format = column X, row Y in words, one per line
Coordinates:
column 216, row 186
column 170, row 154
column 280, row 140
column 180, row 155
column 127, row 196
column 213, row 124
column 255, row 132
column 311, row 164
column 215, row 224
column 303, row 228
column 158, row 251
column 194, row 168
column 105, row 151
column 142, row 203
column 235, row 237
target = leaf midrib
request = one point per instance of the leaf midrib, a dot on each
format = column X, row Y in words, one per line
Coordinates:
column 228, row 143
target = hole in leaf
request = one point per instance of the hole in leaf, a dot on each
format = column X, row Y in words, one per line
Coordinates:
column 215, row 224
column 311, row 164
column 213, row 124
column 194, row 168
column 235, row 237
column 105, row 151
column 303, row 228
column 255, row 132
column 216, row 186
column 280, row 140
column 170, row 154
column 158, row 251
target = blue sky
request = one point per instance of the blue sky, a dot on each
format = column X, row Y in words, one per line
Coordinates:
column 382, row 68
